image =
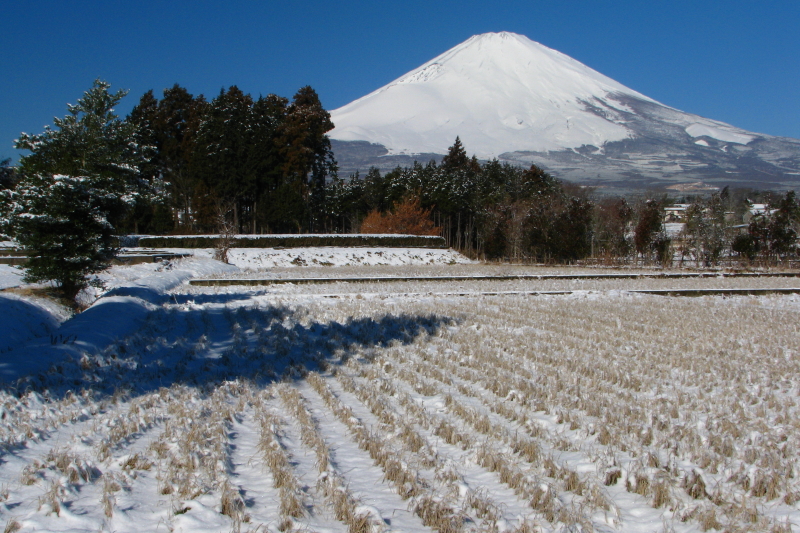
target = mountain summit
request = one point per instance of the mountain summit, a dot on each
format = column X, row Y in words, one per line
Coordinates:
column 511, row 98
column 499, row 92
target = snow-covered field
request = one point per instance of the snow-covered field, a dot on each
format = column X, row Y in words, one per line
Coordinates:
column 268, row 258
column 399, row 408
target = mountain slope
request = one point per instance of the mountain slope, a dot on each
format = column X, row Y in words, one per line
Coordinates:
column 511, row 98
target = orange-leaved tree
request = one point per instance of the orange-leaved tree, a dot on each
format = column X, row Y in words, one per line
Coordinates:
column 407, row 218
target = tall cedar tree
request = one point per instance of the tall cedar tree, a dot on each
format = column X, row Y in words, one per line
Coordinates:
column 307, row 156
column 223, row 142
column 264, row 164
column 269, row 159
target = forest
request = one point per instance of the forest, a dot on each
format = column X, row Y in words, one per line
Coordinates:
column 265, row 165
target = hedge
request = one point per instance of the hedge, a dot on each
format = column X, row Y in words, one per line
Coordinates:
column 295, row 241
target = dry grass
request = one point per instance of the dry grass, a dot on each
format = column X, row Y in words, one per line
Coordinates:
column 612, row 407
column 277, row 460
column 690, row 405
column 108, row 500
column 46, row 293
column 52, row 498
column 12, row 526
column 232, row 506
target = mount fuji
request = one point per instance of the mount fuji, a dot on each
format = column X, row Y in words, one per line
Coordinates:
column 513, row 99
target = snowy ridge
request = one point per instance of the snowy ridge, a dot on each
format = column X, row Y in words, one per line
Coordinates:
column 265, row 258
column 352, row 236
column 30, row 325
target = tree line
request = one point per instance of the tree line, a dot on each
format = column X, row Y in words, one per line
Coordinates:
column 174, row 165
column 497, row 211
column 261, row 161
column 489, row 209
column 182, row 164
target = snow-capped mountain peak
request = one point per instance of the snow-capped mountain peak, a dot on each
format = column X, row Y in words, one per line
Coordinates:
column 499, row 92
column 509, row 97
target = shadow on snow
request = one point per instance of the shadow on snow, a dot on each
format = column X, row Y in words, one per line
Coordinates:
column 188, row 342
column 22, row 321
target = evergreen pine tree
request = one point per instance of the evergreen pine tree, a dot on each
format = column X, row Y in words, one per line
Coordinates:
column 375, row 191
column 143, row 116
column 456, row 157
column 76, row 177
column 62, row 225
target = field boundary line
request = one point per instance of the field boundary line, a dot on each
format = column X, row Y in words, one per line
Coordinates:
column 467, row 294
column 209, row 282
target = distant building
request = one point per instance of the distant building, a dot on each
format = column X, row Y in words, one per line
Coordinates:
column 674, row 230
column 758, row 210
column 675, row 213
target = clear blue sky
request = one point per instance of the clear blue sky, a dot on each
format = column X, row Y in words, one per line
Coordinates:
column 734, row 61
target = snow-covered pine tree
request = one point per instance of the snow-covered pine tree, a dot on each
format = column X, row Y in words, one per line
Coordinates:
column 79, row 176
column 63, row 229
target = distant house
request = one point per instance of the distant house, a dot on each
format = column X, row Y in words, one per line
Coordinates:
column 758, row 210
column 674, row 230
column 740, row 229
column 675, row 213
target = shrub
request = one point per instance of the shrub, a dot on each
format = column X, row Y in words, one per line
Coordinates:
column 407, row 218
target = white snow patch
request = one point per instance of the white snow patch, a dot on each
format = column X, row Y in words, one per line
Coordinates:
column 10, row 276
column 724, row 135
column 262, row 258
